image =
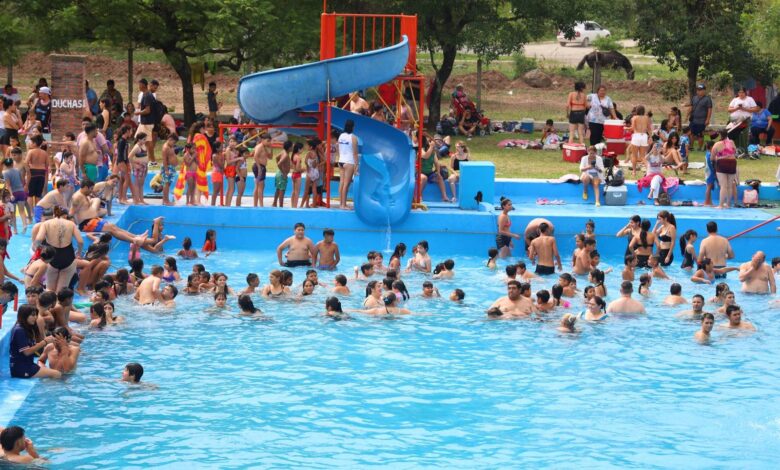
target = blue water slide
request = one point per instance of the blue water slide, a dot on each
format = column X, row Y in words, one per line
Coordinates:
column 384, row 189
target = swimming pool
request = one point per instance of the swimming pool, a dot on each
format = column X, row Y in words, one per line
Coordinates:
column 441, row 389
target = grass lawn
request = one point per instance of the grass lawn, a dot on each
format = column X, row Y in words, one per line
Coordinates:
column 517, row 163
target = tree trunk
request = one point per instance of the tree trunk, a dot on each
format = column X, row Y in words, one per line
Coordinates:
column 178, row 61
column 479, row 83
column 10, row 73
column 693, row 73
column 442, row 75
column 130, row 76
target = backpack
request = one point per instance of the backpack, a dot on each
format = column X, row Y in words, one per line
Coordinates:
column 158, row 111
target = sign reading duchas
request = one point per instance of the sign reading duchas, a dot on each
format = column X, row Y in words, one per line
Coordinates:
column 67, row 104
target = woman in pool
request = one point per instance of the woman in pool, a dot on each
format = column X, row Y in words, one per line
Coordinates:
column 504, row 237
column 630, row 231
column 97, row 314
column 642, row 244
column 122, row 284
column 707, row 272
column 307, row 288
column 666, row 232
column 492, row 255
column 210, row 244
column 396, row 257
column 193, row 284
column 220, row 284
column 688, row 249
column 220, row 300
column 170, row 270
column 373, row 295
column 186, row 251
column 588, row 293
column 568, row 323
column 557, row 293
column 246, row 306
column 35, row 272
column 597, row 278
column 595, row 310
column 390, row 307
column 26, row 342
column 721, row 289
column 108, row 308
column 275, row 289
column 333, row 309
column 645, row 281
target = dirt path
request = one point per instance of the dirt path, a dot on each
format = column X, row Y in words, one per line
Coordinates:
column 572, row 54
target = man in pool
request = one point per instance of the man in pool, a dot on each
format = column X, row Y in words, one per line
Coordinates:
column 300, row 249
column 132, row 373
column 532, row 231
column 167, row 296
column 86, row 212
column 734, row 314
column 327, row 256
column 756, row 276
column 61, row 354
column 52, row 199
column 14, row 444
column 707, row 322
column 545, row 248
column 715, row 247
column 625, row 304
column 582, row 264
column 696, row 311
column 514, row 304
column 149, row 290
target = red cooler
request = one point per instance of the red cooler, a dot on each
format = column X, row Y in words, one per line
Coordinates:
column 574, row 152
column 614, row 129
column 616, row 145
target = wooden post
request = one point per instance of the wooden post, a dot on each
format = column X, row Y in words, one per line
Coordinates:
column 130, row 76
column 10, row 75
column 479, row 83
column 596, row 75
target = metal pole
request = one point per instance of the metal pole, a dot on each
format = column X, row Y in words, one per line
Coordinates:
column 130, row 75
column 479, row 83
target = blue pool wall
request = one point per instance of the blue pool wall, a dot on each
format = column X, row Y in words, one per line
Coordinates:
column 519, row 190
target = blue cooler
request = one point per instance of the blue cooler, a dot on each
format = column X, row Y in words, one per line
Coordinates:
column 615, row 195
column 527, row 125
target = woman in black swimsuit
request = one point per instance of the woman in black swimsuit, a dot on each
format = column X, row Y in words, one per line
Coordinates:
column 666, row 231
column 59, row 233
column 687, row 249
column 642, row 244
column 630, row 231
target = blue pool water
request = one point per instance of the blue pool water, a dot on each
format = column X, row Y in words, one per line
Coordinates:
column 443, row 389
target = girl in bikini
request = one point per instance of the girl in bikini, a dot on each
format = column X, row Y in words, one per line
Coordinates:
column 297, row 172
column 688, row 249
column 231, row 158
column 576, row 109
column 170, row 270
column 275, row 289
column 140, row 162
column 312, row 173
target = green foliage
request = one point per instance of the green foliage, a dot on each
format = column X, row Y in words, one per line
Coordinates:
column 673, row 90
column 523, row 64
column 721, row 81
column 705, row 34
column 11, row 36
column 607, row 43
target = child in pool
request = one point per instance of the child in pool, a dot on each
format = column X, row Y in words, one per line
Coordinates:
column 252, row 283
column 492, row 256
column 210, row 244
column 186, row 251
column 445, row 270
column 341, row 285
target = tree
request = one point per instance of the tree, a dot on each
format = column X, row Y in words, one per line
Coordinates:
column 491, row 26
column 259, row 32
column 699, row 35
column 11, row 35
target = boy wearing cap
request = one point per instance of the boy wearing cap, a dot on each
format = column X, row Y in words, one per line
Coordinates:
column 699, row 114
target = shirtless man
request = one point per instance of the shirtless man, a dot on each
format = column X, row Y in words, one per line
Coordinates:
column 86, row 212
column 504, row 237
column 545, row 248
column 300, row 249
column 167, row 296
column 61, row 355
column 716, row 248
column 514, row 304
column 52, row 199
column 327, row 254
column 582, row 264
column 149, row 290
column 14, row 443
column 696, row 311
column 756, row 276
column 168, row 169
column 88, row 153
column 38, row 167
column 625, row 304
column 707, row 322
column 734, row 314
column 261, row 155
column 532, row 231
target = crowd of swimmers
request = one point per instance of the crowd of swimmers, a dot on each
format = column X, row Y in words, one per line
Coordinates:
column 46, row 339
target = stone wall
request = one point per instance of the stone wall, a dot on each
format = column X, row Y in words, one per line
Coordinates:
column 69, row 101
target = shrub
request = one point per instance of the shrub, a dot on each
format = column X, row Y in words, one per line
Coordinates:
column 673, row 90
column 607, row 43
column 524, row 64
column 721, row 81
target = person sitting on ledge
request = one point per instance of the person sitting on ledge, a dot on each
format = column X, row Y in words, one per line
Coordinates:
column 592, row 168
